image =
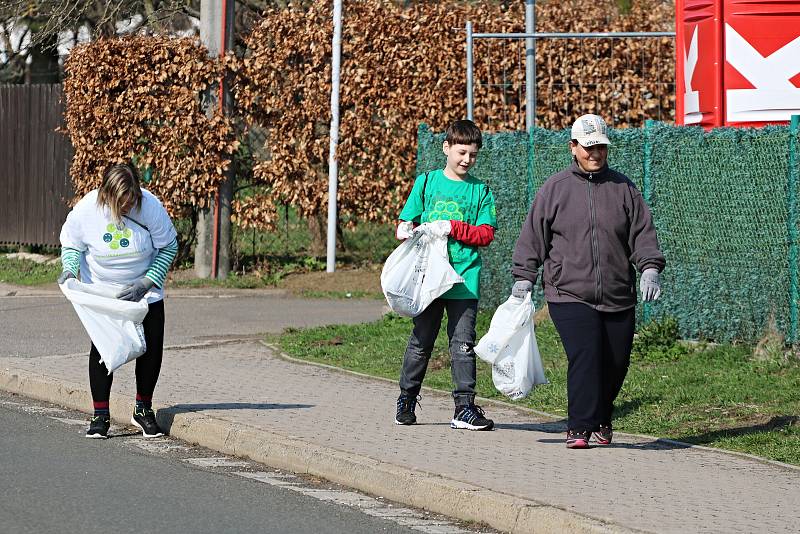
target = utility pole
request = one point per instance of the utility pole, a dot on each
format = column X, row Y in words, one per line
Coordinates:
column 212, row 252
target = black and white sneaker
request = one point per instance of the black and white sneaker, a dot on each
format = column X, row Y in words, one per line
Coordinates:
column 405, row 410
column 471, row 417
column 145, row 420
column 98, row 427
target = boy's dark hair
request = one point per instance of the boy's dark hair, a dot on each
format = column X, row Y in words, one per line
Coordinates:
column 463, row 132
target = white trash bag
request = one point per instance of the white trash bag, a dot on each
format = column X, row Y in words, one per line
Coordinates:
column 114, row 325
column 510, row 347
column 418, row 271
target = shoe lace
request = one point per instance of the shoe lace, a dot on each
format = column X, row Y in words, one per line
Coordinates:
column 406, row 403
column 577, row 434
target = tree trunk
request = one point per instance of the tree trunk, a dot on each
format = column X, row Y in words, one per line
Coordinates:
column 318, row 231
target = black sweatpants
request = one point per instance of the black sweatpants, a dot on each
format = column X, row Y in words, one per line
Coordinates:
column 598, row 346
column 148, row 365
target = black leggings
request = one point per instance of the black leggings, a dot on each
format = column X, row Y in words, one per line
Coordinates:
column 598, row 346
column 148, row 365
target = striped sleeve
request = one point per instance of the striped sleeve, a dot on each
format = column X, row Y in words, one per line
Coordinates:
column 70, row 260
column 157, row 272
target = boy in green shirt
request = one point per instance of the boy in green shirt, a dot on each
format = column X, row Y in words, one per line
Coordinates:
column 464, row 208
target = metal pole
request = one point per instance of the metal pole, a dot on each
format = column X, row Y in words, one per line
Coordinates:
column 580, row 35
column 470, row 102
column 530, row 66
column 333, row 170
column 794, row 239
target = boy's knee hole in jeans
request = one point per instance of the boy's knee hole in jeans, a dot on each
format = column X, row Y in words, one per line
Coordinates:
column 462, row 353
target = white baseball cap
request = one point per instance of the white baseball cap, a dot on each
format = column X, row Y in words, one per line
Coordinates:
column 590, row 130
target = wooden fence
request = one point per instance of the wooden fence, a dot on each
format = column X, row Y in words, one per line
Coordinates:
column 34, row 165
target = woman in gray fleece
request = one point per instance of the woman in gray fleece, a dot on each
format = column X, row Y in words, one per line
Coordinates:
column 590, row 227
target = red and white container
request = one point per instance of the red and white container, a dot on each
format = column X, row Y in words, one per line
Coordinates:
column 698, row 73
column 738, row 62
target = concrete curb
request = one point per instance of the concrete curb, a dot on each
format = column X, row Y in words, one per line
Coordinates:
column 419, row 489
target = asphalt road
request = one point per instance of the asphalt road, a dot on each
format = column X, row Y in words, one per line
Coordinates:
column 55, row 481
column 32, row 326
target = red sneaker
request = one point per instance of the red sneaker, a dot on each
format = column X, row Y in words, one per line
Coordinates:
column 603, row 435
column 577, row 439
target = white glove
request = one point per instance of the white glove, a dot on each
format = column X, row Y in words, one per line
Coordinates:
column 441, row 228
column 650, row 285
column 404, row 230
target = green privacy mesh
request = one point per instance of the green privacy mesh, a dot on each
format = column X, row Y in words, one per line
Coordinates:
column 724, row 204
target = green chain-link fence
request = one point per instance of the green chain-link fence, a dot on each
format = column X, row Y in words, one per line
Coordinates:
column 724, row 204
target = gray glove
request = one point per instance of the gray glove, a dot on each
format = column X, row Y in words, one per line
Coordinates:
column 521, row 288
column 650, row 285
column 137, row 290
column 64, row 276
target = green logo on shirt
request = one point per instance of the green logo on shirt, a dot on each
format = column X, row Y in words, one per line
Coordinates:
column 446, row 210
column 117, row 237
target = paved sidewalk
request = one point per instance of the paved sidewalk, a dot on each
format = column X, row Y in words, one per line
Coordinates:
column 244, row 399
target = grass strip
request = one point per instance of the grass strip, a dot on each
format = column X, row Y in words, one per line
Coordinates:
column 714, row 395
column 27, row 272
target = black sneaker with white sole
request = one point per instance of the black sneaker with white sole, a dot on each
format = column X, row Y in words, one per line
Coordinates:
column 98, row 427
column 145, row 420
column 471, row 417
column 405, row 410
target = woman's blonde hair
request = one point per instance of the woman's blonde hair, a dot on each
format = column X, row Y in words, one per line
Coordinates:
column 119, row 190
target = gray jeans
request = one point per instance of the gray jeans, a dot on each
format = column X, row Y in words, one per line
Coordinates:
column 461, row 316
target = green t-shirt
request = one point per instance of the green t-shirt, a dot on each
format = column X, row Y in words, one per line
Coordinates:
column 445, row 199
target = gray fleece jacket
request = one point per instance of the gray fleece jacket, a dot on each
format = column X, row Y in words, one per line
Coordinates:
column 589, row 231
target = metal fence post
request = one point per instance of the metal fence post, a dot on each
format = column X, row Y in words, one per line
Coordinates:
column 791, row 225
column 470, row 102
column 530, row 65
column 647, row 193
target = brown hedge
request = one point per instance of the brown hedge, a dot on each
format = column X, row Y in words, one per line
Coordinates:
column 139, row 98
column 406, row 65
